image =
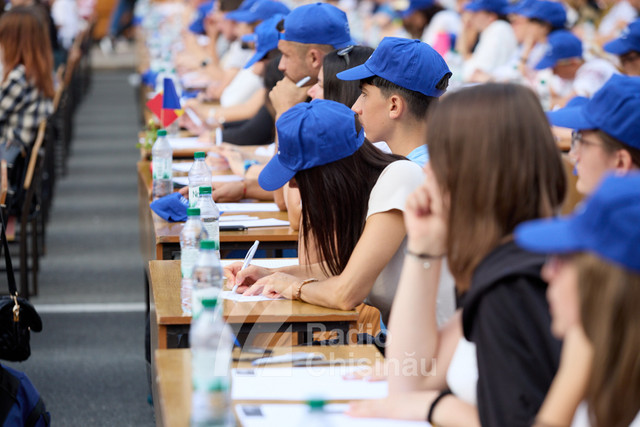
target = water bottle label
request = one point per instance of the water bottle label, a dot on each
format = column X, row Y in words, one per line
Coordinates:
column 213, row 231
column 188, row 258
column 162, row 168
column 194, row 193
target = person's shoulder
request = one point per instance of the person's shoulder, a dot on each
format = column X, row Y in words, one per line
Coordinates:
column 499, row 27
column 403, row 169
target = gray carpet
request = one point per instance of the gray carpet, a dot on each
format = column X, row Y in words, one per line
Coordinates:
column 89, row 366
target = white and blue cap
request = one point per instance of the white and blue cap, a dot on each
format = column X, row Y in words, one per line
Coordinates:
column 606, row 224
column 499, row 7
column 551, row 12
column 410, row 64
column 309, row 135
column 318, row 23
column 561, row 44
column 260, row 10
column 614, row 109
column 629, row 40
column 266, row 38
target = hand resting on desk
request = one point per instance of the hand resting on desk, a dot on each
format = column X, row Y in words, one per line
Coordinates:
column 244, row 278
column 275, row 285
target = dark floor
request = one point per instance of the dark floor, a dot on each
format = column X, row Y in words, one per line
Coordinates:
column 88, row 362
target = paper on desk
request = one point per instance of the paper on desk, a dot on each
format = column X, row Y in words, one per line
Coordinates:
column 267, row 151
column 303, row 383
column 178, row 143
column 234, row 296
column 293, row 415
column 248, row 207
column 254, row 223
column 184, row 180
column 265, row 262
column 182, row 166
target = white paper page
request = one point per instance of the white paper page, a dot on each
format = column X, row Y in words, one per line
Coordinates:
column 182, row 167
column 254, row 223
column 324, row 382
column 234, row 296
column 295, row 415
column 265, row 262
column 187, row 142
column 267, row 151
column 181, row 180
column 184, row 180
column 248, row 207
column 226, row 178
column 226, row 218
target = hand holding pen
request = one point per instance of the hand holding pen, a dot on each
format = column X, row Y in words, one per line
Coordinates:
column 247, row 260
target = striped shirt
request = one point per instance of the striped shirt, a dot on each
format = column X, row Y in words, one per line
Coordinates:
column 22, row 108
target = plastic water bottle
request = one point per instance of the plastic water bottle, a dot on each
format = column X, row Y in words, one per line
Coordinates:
column 207, row 275
column 210, row 216
column 199, row 176
column 186, row 288
column 211, row 342
column 544, row 93
column 162, row 159
column 190, row 236
column 316, row 415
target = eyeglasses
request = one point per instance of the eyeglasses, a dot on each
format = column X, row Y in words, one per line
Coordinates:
column 344, row 53
column 578, row 141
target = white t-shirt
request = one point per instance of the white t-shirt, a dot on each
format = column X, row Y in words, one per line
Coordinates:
column 621, row 12
column 241, row 88
column 67, row 18
column 462, row 375
column 445, row 21
column 236, row 56
column 591, row 76
column 496, row 47
column 581, row 417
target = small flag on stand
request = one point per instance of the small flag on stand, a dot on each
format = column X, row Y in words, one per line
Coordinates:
column 166, row 104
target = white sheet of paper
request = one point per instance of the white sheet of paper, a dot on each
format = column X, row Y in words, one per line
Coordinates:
column 253, row 223
column 267, row 151
column 182, row 167
column 325, row 382
column 187, row 142
column 248, row 207
column 234, row 296
column 226, row 218
column 265, row 262
column 226, row 178
column 184, row 180
column 294, row 415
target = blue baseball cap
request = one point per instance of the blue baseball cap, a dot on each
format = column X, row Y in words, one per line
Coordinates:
column 518, row 7
column 197, row 25
column 614, row 109
column 266, row 38
column 318, row 23
column 499, row 7
column 415, row 5
column 309, row 135
column 552, row 12
column 606, row 224
column 411, row 64
column 259, row 11
column 172, row 208
column 561, row 44
column 628, row 41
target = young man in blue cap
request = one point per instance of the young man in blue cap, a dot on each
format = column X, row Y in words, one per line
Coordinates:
column 310, row 32
column 627, row 47
column 576, row 76
column 399, row 82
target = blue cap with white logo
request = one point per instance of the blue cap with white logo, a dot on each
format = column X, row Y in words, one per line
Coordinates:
column 410, row 64
column 629, row 40
column 614, row 109
column 551, row 12
column 309, row 135
column 561, row 45
column 606, row 224
column 499, row 7
column 258, row 11
column 318, row 23
column 266, row 38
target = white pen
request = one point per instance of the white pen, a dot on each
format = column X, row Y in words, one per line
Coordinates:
column 193, row 116
column 218, row 136
column 247, row 260
column 303, row 81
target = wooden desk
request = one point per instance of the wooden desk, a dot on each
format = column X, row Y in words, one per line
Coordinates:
column 168, row 322
column 173, row 377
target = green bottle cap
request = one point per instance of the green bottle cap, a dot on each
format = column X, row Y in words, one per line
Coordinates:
column 199, row 155
column 209, row 244
column 162, row 132
column 316, row 404
column 193, row 211
column 209, row 302
column 205, row 190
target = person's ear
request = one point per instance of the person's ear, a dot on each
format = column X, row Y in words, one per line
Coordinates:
column 396, row 106
column 623, row 161
column 314, row 58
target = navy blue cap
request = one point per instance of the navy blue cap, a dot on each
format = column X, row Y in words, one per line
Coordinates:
column 495, row 6
column 266, row 38
column 197, row 25
column 614, row 109
column 411, row 64
column 259, row 11
column 309, row 135
column 552, row 12
column 629, row 40
column 415, row 5
column 606, row 224
column 172, row 208
column 561, row 44
column 318, row 23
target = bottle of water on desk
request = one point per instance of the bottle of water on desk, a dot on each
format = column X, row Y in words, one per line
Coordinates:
column 209, row 215
column 211, row 342
column 207, row 275
column 316, row 415
column 199, row 176
column 162, row 158
column 190, row 237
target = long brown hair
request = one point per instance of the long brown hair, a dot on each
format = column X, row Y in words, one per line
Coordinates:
column 493, row 154
column 335, row 199
column 609, row 301
column 25, row 40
